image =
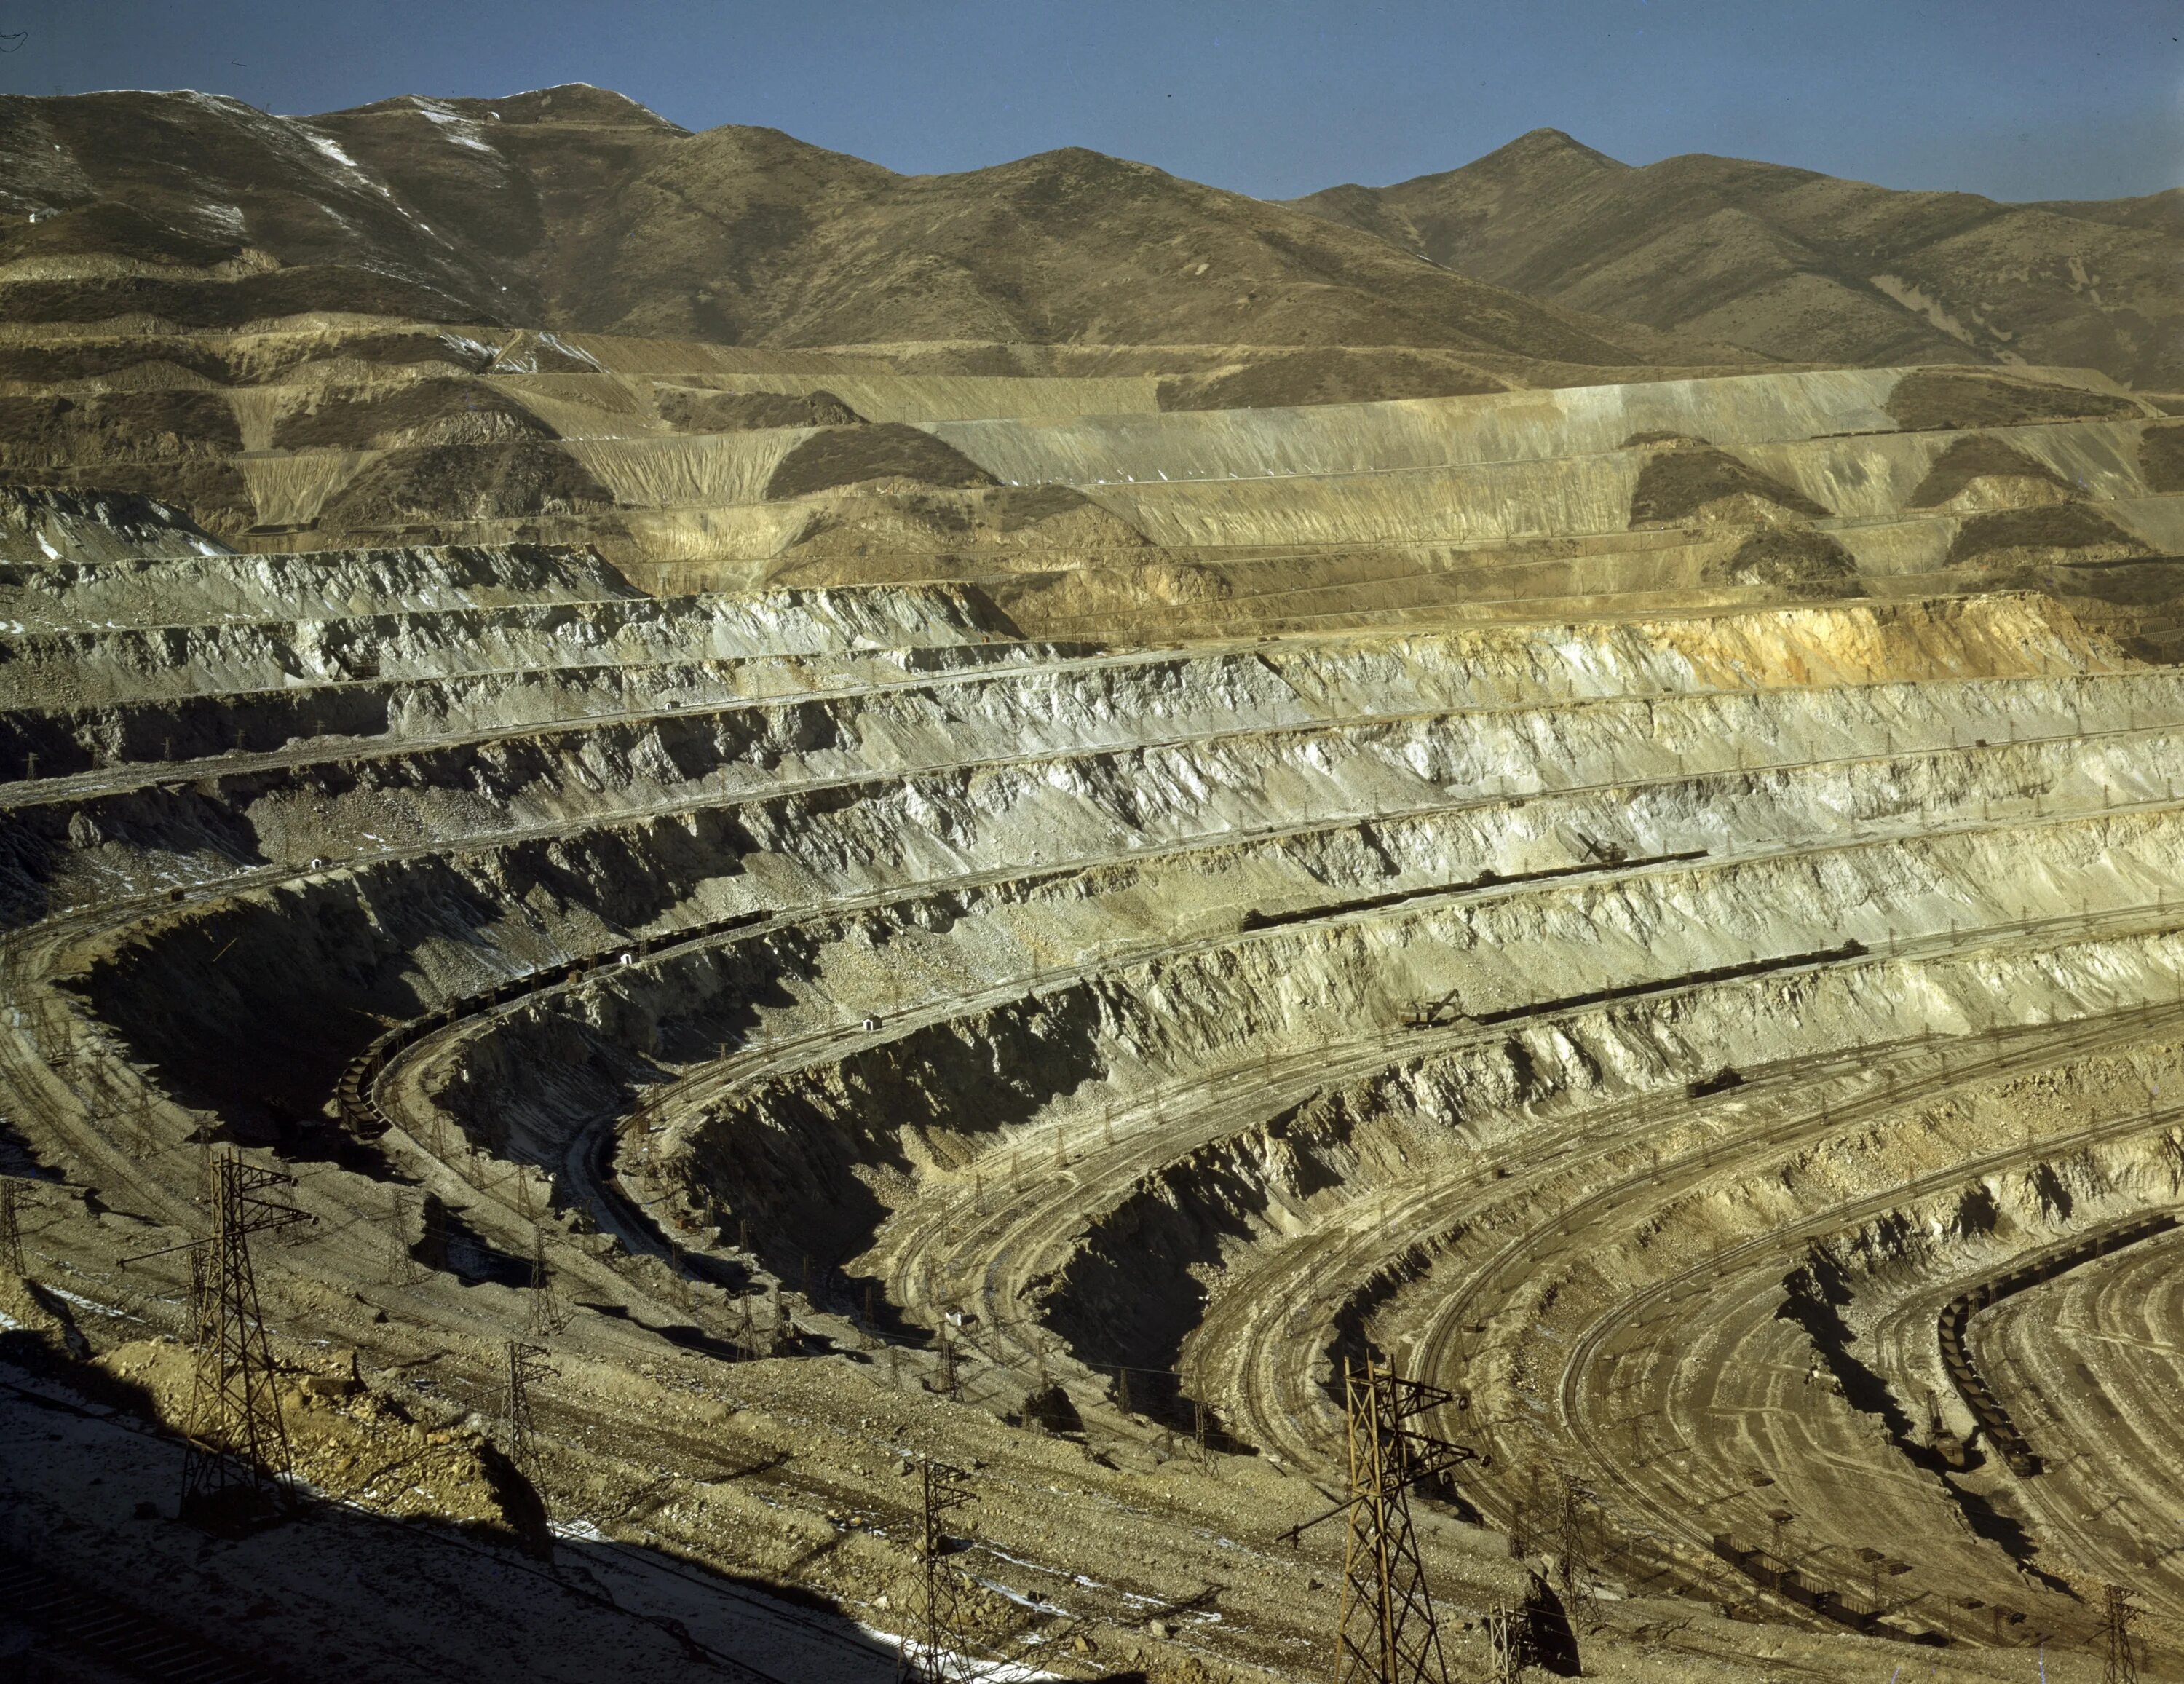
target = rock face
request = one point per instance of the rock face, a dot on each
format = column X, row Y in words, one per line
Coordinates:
column 1798, row 265
column 1027, row 904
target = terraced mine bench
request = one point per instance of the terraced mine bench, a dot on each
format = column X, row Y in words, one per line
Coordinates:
column 359, row 1108
column 1080, row 1017
column 1954, row 1323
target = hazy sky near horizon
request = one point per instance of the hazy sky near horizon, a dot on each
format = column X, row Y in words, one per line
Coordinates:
column 2017, row 99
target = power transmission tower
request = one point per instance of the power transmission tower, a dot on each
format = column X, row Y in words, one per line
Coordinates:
column 406, row 1271
column 940, row 1651
column 237, row 1458
column 2120, row 1664
column 1570, row 1555
column 549, row 1314
column 527, row 1363
column 1521, row 1511
column 1387, row 1633
column 146, row 1135
column 200, row 1296
column 1505, row 1643
column 746, row 1335
column 11, row 1230
column 951, row 1382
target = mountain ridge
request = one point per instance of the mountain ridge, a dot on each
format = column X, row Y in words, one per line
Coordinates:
column 1799, row 265
column 574, row 208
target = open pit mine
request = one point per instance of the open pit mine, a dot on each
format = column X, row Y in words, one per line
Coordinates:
column 679, row 1005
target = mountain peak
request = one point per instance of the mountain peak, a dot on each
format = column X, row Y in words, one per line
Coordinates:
column 576, row 104
column 1537, row 146
column 1081, row 160
column 568, row 103
column 1538, row 157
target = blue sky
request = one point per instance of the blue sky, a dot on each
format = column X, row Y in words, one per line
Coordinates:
column 2062, row 99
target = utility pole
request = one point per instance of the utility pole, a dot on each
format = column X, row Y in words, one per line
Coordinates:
column 237, row 1455
column 550, row 1315
column 1386, row 1632
column 527, row 1363
column 11, row 1230
column 942, row 1653
column 2120, row 1664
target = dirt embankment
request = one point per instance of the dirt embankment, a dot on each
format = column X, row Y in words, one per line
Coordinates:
column 1957, row 399
column 1684, row 479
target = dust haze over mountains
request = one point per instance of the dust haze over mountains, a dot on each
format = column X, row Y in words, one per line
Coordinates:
column 574, row 208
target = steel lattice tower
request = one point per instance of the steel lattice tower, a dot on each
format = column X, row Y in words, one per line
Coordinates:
column 11, row 1230
column 525, row 1364
column 1387, row 1633
column 550, row 1315
column 2120, row 1663
column 237, row 1460
column 1505, row 1645
column 939, row 1653
column 1570, row 1543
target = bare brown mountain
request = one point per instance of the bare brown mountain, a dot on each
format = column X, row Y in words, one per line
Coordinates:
column 573, row 207
column 1802, row 266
